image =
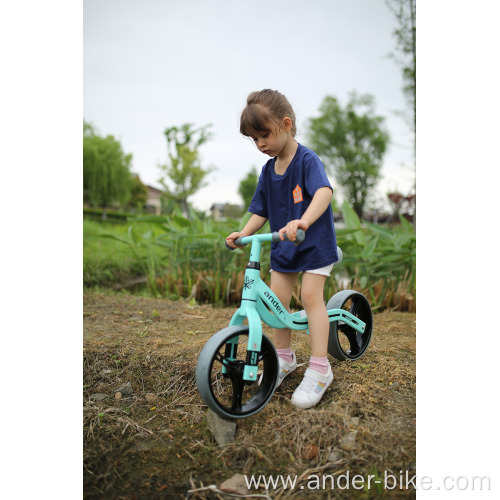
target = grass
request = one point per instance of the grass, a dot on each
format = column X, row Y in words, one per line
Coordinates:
column 174, row 258
column 106, row 262
column 156, row 444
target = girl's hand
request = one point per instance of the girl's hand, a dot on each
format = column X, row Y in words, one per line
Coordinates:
column 230, row 239
column 291, row 229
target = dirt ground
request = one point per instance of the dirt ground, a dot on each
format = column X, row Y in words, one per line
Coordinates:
column 155, row 443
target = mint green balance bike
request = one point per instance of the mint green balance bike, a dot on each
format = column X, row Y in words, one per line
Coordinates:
column 238, row 368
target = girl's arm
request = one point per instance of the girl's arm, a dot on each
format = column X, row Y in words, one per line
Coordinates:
column 320, row 202
column 255, row 223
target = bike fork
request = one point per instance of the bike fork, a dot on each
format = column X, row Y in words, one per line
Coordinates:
column 248, row 310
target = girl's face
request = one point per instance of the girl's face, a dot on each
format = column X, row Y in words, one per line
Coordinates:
column 273, row 141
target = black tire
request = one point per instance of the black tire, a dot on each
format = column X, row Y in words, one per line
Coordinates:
column 344, row 342
column 228, row 395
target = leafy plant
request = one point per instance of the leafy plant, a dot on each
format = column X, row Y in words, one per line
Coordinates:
column 188, row 259
column 382, row 259
column 144, row 250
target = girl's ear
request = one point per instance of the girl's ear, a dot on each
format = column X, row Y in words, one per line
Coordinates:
column 287, row 124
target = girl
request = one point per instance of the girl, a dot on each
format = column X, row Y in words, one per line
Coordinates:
column 293, row 192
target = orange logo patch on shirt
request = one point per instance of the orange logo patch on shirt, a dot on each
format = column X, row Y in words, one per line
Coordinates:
column 297, row 195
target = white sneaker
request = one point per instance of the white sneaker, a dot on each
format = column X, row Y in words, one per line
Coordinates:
column 286, row 368
column 312, row 388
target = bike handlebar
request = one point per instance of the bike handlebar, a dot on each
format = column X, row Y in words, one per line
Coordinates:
column 275, row 237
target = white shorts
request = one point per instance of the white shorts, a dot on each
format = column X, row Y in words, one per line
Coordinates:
column 324, row 271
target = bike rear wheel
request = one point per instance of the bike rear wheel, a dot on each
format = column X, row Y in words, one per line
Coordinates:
column 344, row 342
column 227, row 394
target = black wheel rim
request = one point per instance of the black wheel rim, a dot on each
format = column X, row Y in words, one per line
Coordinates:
column 352, row 343
column 229, row 391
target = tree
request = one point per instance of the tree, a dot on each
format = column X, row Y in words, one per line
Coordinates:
column 138, row 193
column 106, row 175
column 406, row 37
column 351, row 141
column 184, row 167
column 406, row 43
column 247, row 187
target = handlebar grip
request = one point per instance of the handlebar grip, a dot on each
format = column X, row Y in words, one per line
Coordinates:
column 275, row 238
column 237, row 242
column 301, row 235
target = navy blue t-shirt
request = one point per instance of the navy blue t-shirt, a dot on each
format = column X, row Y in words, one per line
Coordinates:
column 282, row 198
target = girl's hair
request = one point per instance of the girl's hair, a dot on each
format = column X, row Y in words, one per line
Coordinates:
column 262, row 110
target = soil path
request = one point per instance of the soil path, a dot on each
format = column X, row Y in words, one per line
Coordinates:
column 154, row 443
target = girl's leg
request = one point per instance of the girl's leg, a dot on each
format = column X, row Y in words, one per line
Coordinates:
column 319, row 324
column 318, row 376
column 282, row 285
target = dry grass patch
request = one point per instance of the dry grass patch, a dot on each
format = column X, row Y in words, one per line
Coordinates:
column 155, row 444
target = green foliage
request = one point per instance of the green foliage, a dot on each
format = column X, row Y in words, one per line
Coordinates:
column 106, row 176
column 351, row 141
column 197, row 264
column 187, row 258
column 333, row 203
column 106, row 214
column 183, row 168
column 146, row 254
column 106, row 262
column 247, row 187
column 138, row 193
column 180, row 257
column 383, row 259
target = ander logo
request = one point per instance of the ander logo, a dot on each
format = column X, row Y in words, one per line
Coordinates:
column 274, row 302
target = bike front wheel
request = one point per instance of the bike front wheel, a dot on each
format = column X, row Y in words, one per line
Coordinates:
column 219, row 374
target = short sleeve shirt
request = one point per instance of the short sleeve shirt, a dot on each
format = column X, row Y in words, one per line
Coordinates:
column 282, row 198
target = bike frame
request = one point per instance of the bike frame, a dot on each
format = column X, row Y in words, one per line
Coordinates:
column 259, row 304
